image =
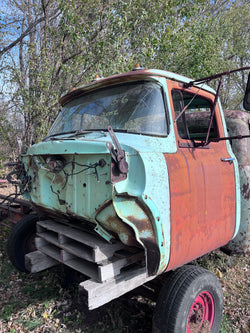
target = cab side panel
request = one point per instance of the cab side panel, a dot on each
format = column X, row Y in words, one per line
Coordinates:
column 202, row 191
column 201, row 218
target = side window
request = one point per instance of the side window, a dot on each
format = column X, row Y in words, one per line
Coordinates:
column 193, row 124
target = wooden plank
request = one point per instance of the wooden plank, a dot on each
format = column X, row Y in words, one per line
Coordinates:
column 101, row 293
column 51, row 251
column 80, row 256
column 80, row 265
column 84, row 267
column 49, row 237
column 37, row 261
column 40, row 242
column 112, row 268
column 65, row 243
column 73, row 247
column 103, row 271
column 109, row 271
column 62, row 239
column 100, row 248
column 80, row 236
column 79, row 250
column 65, row 256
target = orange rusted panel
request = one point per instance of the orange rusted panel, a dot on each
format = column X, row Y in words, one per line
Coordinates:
column 202, row 201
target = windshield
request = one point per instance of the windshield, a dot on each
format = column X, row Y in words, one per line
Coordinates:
column 131, row 107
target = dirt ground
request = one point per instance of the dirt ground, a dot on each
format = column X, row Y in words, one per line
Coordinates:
column 6, row 189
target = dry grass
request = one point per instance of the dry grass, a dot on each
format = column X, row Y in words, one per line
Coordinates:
column 233, row 273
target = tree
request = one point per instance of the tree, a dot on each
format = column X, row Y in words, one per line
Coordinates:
column 49, row 46
column 62, row 43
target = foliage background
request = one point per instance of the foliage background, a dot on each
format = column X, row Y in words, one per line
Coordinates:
column 49, row 46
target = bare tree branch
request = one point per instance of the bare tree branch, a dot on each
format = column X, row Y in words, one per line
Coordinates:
column 23, row 35
column 26, row 33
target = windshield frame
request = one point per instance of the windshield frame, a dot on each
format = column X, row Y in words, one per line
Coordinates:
column 163, row 105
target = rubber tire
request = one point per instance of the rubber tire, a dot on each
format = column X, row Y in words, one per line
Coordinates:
column 177, row 295
column 19, row 241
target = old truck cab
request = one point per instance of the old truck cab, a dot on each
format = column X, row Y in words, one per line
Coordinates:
column 125, row 167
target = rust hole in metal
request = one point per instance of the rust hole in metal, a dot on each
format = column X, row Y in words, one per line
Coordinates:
column 102, row 163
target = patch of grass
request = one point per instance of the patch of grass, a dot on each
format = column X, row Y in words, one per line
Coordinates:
column 7, row 311
column 45, row 287
column 226, row 325
column 215, row 261
column 6, row 269
column 31, row 323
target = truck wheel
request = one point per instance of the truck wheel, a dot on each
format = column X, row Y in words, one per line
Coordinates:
column 21, row 241
column 190, row 301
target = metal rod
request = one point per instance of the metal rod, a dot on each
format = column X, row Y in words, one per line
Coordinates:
column 212, row 77
column 213, row 110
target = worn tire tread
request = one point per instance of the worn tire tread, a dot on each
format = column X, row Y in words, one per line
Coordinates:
column 14, row 249
column 172, row 297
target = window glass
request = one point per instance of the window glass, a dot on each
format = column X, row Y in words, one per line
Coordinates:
column 131, row 107
column 194, row 122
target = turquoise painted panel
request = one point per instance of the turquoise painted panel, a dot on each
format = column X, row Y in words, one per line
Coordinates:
column 71, row 146
column 237, row 176
column 77, row 190
column 150, row 183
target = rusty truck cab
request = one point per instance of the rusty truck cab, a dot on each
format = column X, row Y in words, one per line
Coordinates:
column 123, row 158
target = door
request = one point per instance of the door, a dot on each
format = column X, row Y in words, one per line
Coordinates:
column 201, row 178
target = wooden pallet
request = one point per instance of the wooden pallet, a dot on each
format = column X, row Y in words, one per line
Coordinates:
column 86, row 253
column 111, row 269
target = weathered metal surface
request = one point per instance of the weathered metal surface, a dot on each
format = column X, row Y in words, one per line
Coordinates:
column 202, row 197
column 14, row 211
column 152, row 189
column 238, row 124
column 139, row 218
column 78, row 190
column 201, row 119
column 108, row 218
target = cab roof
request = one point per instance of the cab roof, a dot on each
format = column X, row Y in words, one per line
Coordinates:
column 135, row 75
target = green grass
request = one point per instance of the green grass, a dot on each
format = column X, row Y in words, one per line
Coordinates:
column 226, row 326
